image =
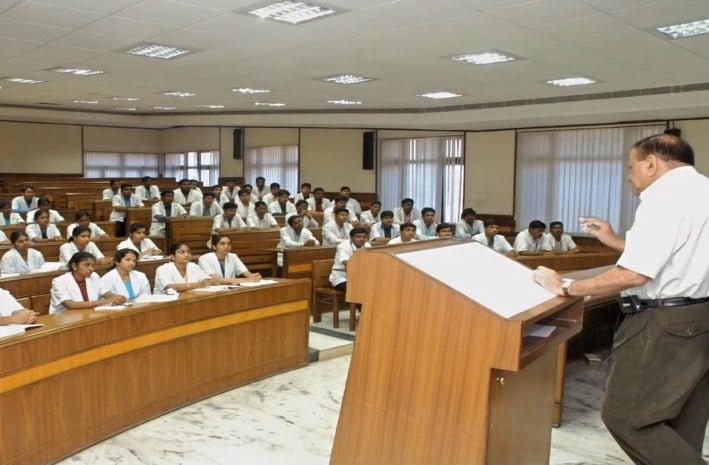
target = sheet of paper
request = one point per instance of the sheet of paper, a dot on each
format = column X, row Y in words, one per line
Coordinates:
column 28, row 326
column 110, row 308
column 478, row 272
column 11, row 330
column 211, row 289
column 538, row 330
column 263, row 282
column 152, row 257
column 144, row 299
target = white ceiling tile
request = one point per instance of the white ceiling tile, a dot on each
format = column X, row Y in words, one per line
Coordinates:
column 13, row 47
column 665, row 13
column 102, row 6
column 127, row 27
column 27, row 31
column 236, row 26
column 94, row 41
column 168, row 12
column 50, row 15
column 543, row 11
column 615, row 5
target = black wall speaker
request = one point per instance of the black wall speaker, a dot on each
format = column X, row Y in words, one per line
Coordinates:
column 368, row 150
column 238, row 144
column 674, row 132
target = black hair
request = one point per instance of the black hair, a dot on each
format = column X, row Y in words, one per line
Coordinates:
column 318, row 189
column 80, row 214
column 665, row 146
column 111, row 181
column 345, row 188
column 147, row 178
column 122, row 253
column 283, row 192
column 386, row 214
column 28, row 187
column 79, row 257
column 442, row 226
column 305, row 184
column 301, row 202
column 260, row 178
column 407, row 225
column 135, row 227
column 16, row 235
column 37, row 214
column 407, row 200
column 176, row 246
column 4, row 203
column 490, row 222
column 376, row 202
column 243, row 191
column 126, row 186
column 339, row 210
column 291, row 219
column 218, row 237
column 209, row 194
column 183, row 180
column 426, row 210
column 536, row 224
column 356, row 231
column 229, row 205
column 556, row 223
column 275, row 185
column 468, row 211
column 341, row 198
column 166, row 192
column 259, row 203
column 43, row 202
column 76, row 231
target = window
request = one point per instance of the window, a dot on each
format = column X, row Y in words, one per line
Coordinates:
column 428, row 170
column 276, row 164
column 565, row 174
column 120, row 165
column 203, row 166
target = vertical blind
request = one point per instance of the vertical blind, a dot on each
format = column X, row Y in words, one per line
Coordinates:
column 203, row 165
column 429, row 170
column 276, row 164
column 119, row 165
column 564, row 174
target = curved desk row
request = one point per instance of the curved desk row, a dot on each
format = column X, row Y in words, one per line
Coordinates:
column 86, row 375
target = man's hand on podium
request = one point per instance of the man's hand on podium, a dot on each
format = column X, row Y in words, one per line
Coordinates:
column 548, row 279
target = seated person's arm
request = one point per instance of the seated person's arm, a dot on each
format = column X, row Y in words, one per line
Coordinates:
column 109, row 298
column 19, row 317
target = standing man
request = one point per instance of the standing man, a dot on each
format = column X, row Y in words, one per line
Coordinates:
column 657, row 392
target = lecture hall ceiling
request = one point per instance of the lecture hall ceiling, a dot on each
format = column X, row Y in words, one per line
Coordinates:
column 404, row 45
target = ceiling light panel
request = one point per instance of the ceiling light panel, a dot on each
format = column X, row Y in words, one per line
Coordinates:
column 269, row 104
column 177, row 93
column 485, row 58
column 77, row 71
column 164, row 108
column 346, row 79
column 165, row 52
column 126, row 99
column 20, row 80
column 679, row 31
column 126, row 109
column 571, row 81
column 345, row 102
column 292, row 12
column 213, row 107
column 87, row 102
column 440, row 95
column 248, row 90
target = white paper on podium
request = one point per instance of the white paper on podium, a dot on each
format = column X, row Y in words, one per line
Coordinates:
column 478, row 272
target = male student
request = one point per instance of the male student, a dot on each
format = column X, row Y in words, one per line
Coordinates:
column 301, row 208
column 259, row 190
column 444, row 231
column 230, row 192
column 352, row 204
column 121, row 203
column 558, row 241
column 185, row 195
column 164, row 209
column 338, row 229
column 406, row 213
column 261, row 219
column 148, row 190
column 340, row 202
column 25, row 202
column 371, row 216
column 109, row 192
column 531, row 241
column 407, row 233
column 272, row 196
column 295, row 235
column 345, row 250
column 385, row 230
column 304, row 193
column 207, row 207
column 469, row 225
column 495, row 241
column 228, row 220
column 282, row 206
column 426, row 226
column 317, row 201
column 245, row 206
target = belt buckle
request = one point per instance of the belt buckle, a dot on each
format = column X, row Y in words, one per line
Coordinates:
column 631, row 304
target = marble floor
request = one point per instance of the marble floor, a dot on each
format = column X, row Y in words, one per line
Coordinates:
column 290, row 419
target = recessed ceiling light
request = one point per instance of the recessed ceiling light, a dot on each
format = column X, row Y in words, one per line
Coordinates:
column 211, row 106
column 88, row 102
column 125, row 109
column 22, row 80
column 487, row 57
column 248, row 90
column 177, row 93
column 165, row 108
column 77, row 71
column 440, row 95
column 126, row 99
column 346, row 79
column 678, row 31
column 292, row 11
column 165, row 52
column 345, row 102
column 571, row 81
column 269, row 104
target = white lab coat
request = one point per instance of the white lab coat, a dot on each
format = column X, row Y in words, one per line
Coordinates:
column 157, row 228
column 54, row 216
column 168, row 274
column 233, row 266
column 66, row 251
column 64, row 288
column 12, row 261
column 33, row 231
column 120, row 201
column 112, row 282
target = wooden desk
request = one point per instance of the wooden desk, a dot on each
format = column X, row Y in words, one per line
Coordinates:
column 253, row 247
column 86, row 376
column 298, row 261
column 570, row 262
column 195, row 231
column 141, row 215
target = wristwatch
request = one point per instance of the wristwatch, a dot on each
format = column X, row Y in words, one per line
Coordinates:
column 565, row 285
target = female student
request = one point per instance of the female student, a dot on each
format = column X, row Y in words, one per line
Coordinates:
column 21, row 258
column 45, row 206
column 80, row 287
column 223, row 266
column 80, row 241
column 12, row 312
column 138, row 241
column 123, row 279
column 180, row 274
column 7, row 216
column 41, row 230
column 84, row 219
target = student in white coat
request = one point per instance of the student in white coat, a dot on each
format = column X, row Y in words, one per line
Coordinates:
column 223, row 266
column 44, row 205
column 260, row 189
column 25, row 202
column 84, row 219
column 559, row 242
column 123, row 279
column 303, row 211
column 244, row 205
column 426, row 226
column 295, row 235
column 317, row 202
column 41, row 230
column 407, row 233
column 281, row 206
column 138, row 241
column 352, row 203
column 21, row 258
column 163, row 210
column 490, row 238
column 3, row 238
column 469, row 225
column 180, row 274
column 337, row 231
column 371, row 216
column 121, row 204
column 109, row 192
column 406, row 213
column 261, row 219
column 304, row 193
column 229, row 219
column 12, row 312
column 230, row 192
column 272, row 195
column 185, row 195
column 7, row 216
column 80, row 241
column 339, row 202
column 385, row 230
column 80, row 287
column 148, row 191
column 531, row 241
column 207, row 207
column 345, row 250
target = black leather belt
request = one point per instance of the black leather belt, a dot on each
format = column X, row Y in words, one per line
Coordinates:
column 633, row 304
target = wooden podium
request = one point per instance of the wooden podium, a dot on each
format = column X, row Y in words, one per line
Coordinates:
column 439, row 378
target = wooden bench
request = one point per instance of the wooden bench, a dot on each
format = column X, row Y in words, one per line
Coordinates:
column 195, row 231
column 325, row 294
column 298, row 261
column 50, row 250
column 254, row 247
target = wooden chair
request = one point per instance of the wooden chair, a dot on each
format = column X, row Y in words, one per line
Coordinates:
column 324, row 293
column 40, row 303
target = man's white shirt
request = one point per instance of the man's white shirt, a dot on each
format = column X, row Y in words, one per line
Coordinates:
column 499, row 243
column 524, row 242
column 564, row 245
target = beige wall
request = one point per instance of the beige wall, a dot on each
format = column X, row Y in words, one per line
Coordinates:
column 489, row 171
column 41, row 148
column 696, row 132
column 331, row 158
column 104, row 139
column 267, row 137
column 190, row 139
